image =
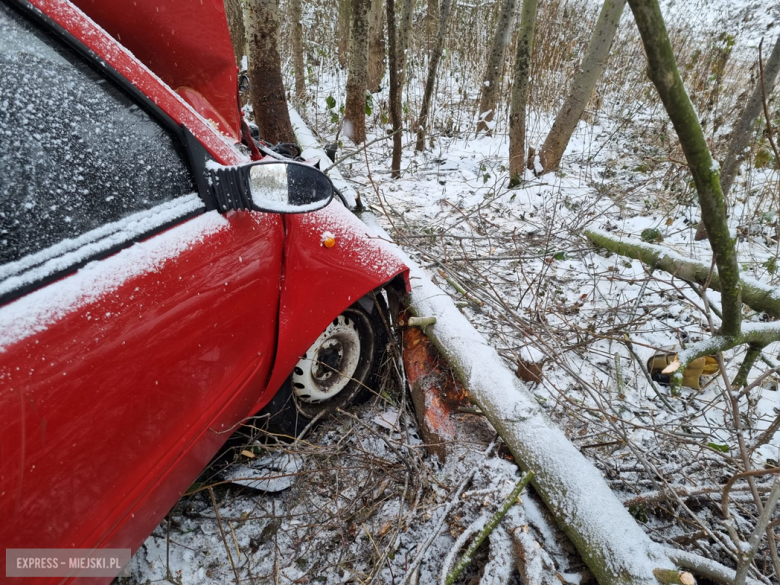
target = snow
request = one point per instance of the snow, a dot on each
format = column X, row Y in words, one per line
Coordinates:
column 40, row 309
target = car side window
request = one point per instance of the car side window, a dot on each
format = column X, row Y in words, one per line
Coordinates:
column 76, row 153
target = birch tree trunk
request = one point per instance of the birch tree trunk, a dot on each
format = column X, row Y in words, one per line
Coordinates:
column 235, row 18
column 525, row 44
column 662, row 70
column 269, row 103
column 487, row 102
column 345, row 18
column 582, row 85
column 743, row 129
column 433, row 66
column 296, row 17
column 355, row 107
column 376, row 45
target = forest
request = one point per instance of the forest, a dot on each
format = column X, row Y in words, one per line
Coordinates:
column 585, row 386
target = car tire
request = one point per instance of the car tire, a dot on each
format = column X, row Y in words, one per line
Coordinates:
column 339, row 369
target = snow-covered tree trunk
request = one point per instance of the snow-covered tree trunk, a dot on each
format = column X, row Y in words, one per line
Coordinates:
column 433, row 67
column 525, row 44
column 355, row 107
column 261, row 18
column 487, row 102
column 296, row 18
column 582, row 85
column 376, row 45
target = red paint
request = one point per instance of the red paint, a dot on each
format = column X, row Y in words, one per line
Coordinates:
column 187, row 44
column 109, row 413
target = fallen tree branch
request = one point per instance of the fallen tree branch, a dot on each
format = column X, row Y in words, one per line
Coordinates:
column 489, row 527
column 705, row 567
column 756, row 295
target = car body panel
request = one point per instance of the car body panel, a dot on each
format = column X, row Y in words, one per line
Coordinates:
column 165, row 35
column 319, row 282
column 101, row 416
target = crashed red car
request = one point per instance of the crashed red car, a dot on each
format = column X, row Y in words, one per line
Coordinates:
column 157, row 285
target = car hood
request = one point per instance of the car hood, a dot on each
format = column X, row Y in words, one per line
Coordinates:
column 186, row 44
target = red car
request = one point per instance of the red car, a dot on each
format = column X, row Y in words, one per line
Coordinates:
column 157, row 285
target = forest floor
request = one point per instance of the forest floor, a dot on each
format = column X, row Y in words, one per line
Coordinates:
column 355, row 500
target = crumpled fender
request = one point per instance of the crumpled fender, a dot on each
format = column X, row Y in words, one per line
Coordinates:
column 319, row 282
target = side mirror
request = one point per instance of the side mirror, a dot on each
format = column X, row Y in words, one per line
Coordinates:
column 275, row 186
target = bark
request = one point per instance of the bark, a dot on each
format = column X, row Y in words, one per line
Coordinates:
column 743, row 129
column 355, row 107
column 395, row 93
column 487, row 102
column 431, row 19
column 296, row 18
column 345, row 18
column 582, row 86
column 376, row 46
column 755, row 295
column 235, row 18
column 269, row 103
column 525, row 44
column 396, row 44
column 433, row 66
column 662, row 70
column 614, row 547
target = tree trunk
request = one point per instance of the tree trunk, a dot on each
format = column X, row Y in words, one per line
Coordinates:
column 265, row 71
column 345, row 18
column 235, row 19
column 525, row 44
column 487, row 103
column 662, row 70
column 376, row 46
column 396, row 42
column 743, row 129
column 433, row 66
column 355, row 107
column 582, row 85
column 296, row 19
column 431, row 20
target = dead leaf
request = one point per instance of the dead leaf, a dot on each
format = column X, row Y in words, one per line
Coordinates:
column 249, row 454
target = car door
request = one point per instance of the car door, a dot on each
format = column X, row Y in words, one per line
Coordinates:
column 136, row 328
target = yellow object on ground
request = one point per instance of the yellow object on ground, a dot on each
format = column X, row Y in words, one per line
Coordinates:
column 703, row 366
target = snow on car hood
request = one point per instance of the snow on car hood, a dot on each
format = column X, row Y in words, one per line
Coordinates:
column 187, row 44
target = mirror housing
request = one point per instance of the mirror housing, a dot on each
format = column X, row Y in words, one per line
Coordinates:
column 274, row 186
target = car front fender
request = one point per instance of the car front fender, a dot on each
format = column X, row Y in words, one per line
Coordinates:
column 331, row 260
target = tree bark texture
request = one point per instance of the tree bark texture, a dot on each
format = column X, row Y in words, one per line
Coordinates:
column 489, row 97
column 582, row 86
column 395, row 94
column 344, row 23
column 433, row 66
column 269, row 103
column 296, row 20
column 525, row 44
column 662, row 70
column 235, row 18
column 355, row 107
column 376, row 45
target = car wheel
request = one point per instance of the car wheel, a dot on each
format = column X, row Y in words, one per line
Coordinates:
column 339, row 369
